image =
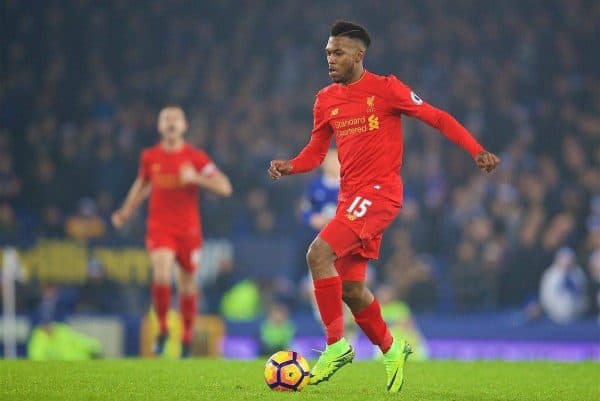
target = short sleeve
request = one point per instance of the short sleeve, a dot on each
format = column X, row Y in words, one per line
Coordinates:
column 402, row 98
column 203, row 163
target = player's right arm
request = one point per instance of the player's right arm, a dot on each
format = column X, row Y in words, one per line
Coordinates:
column 138, row 193
column 313, row 153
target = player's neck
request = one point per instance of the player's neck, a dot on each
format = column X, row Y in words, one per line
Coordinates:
column 173, row 145
column 356, row 76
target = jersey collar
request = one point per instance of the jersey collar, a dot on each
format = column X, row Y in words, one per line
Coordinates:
column 362, row 77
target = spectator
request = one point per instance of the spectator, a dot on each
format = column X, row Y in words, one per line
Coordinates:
column 10, row 184
column 52, row 341
column 594, row 274
column 99, row 293
column 411, row 274
column 523, row 266
column 9, row 225
column 467, row 277
column 277, row 330
column 242, row 302
column 86, row 224
column 52, row 222
column 563, row 292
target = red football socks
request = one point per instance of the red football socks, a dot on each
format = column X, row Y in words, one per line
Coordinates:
column 372, row 324
column 328, row 292
column 161, row 299
column 187, row 308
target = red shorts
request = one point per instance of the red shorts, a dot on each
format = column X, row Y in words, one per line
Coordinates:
column 356, row 231
column 186, row 247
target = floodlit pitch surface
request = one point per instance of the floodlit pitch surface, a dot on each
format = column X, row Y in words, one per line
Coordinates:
column 201, row 379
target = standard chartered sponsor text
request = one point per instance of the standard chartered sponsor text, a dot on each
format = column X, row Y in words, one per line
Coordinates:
column 353, row 126
column 350, row 122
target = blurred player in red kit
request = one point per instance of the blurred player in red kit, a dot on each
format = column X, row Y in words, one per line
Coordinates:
column 171, row 174
column 363, row 112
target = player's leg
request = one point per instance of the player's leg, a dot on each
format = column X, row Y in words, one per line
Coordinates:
column 188, row 306
column 361, row 301
column 188, row 257
column 328, row 288
column 162, row 261
column 367, row 314
column 333, row 240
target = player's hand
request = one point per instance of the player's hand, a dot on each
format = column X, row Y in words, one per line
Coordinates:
column 187, row 175
column 119, row 218
column 487, row 161
column 279, row 168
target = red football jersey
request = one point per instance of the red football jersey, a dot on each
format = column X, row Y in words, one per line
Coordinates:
column 174, row 207
column 365, row 117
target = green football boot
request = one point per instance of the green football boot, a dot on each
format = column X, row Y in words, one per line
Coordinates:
column 394, row 361
column 331, row 360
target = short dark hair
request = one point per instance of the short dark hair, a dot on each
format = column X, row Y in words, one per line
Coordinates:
column 170, row 105
column 351, row 30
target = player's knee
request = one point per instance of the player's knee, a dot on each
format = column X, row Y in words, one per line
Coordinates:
column 188, row 289
column 162, row 262
column 319, row 253
column 161, row 274
column 187, row 284
column 352, row 292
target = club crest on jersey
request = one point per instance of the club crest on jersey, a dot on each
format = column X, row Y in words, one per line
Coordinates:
column 335, row 111
column 415, row 98
column 155, row 167
column 370, row 104
column 373, row 122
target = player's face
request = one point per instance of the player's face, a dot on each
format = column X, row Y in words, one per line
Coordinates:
column 172, row 123
column 343, row 56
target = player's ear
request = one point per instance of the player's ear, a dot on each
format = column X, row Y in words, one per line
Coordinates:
column 360, row 56
column 185, row 122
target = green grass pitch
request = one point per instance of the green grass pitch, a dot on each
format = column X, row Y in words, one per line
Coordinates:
column 203, row 379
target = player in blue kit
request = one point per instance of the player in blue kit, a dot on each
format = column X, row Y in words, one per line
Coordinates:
column 321, row 195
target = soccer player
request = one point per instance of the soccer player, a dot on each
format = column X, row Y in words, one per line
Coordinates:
column 363, row 111
column 171, row 174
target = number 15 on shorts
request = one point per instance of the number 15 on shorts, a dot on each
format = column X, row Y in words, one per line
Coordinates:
column 359, row 206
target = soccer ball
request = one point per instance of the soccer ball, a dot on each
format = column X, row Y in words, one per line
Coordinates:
column 286, row 371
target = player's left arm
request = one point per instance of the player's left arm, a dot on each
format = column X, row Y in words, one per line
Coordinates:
column 206, row 175
column 408, row 102
column 216, row 182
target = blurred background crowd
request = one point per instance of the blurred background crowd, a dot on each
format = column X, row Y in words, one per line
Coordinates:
column 83, row 81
